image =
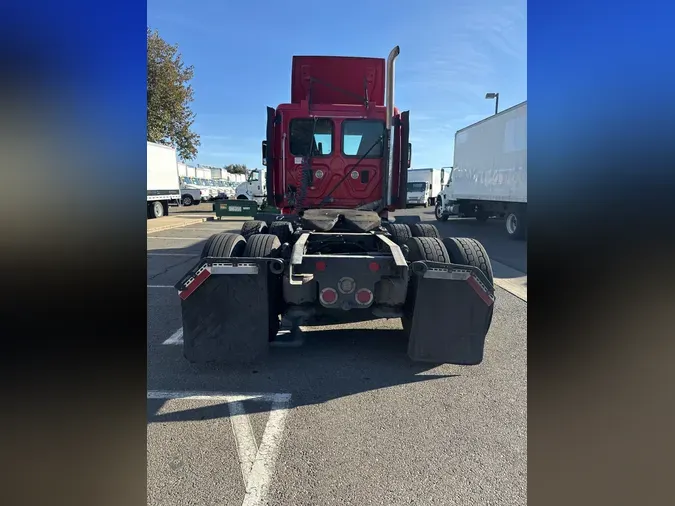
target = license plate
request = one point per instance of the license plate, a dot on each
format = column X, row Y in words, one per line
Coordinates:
column 235, row 209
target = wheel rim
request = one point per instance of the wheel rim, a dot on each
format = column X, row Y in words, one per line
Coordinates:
column 511, row 224
column 438, row 211
column 186, row 201
column 158, row 209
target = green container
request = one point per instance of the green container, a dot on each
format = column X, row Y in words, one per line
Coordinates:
column 235, row 208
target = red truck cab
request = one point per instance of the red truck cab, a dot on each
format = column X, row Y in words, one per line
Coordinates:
column 329, row 147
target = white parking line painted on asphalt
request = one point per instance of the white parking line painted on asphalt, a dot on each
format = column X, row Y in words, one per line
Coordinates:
column 258, row 484
column 176, row 339
column 215, row 396
column 257, row 471
column 247, row 448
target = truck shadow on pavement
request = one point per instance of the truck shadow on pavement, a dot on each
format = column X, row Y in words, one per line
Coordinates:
column 329, row 365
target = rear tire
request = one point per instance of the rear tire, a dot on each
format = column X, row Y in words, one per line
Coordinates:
column 424, row 230
column 282, row 229
column 467, row 251
column 249, row 228
column 400, row 232
column 262, row 246
column 224, row 245
column 516, row 226
column 187, row 200
column 156, row 209
column 438, row 212
column 430, row 249
column 268, row 246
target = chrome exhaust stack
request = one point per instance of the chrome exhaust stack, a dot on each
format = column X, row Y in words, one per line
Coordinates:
column 390, row 126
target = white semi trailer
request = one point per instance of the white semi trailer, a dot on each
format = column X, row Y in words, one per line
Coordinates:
column 162, row 179
column 489, row 176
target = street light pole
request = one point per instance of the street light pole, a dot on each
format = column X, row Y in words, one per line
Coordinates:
column 496, row 97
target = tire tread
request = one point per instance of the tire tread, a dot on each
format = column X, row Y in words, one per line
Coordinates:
column 224, row 245
column 262, row 246
column 252, row 227
column 424, row 230
column 400, row 232
column 430, row 249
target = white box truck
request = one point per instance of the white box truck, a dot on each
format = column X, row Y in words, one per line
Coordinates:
column 423, row 186
column 489, row 175
column 162, row 179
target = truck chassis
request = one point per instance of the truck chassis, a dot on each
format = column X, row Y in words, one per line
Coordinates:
column 336, row 266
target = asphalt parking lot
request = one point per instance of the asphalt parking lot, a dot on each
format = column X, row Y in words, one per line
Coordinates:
column 340, row 417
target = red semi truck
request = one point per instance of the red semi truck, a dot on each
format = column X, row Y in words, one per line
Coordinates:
column 337, row 158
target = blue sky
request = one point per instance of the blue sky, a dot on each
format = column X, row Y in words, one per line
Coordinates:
column 452, row 53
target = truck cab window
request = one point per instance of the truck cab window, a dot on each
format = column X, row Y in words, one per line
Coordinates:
column 254, row 176
column 358, row 136
column 416, row 187
column 301, row 138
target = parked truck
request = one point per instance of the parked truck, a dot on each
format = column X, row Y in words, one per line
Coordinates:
column 423, row 186
column 489, row 176
column 191, row 192
column 254, row 188
column 337, row 159
column 162, row 179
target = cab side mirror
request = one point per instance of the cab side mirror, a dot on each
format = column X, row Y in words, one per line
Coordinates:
column 264, row 152
column 409, row 154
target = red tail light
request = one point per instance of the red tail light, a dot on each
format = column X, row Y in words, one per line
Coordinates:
column 364, row 296
column 321, row 266
column 328, row 296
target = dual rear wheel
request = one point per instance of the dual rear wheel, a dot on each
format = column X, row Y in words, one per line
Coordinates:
column 424, row 242
column 229, row 245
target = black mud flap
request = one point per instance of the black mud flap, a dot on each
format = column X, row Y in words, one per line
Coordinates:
column 227, row 306
column 451, row 309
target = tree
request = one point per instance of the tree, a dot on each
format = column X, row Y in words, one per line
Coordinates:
column 236, row 168
column 169, row 96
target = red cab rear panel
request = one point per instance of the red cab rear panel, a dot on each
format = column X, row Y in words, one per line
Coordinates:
column 336, row 125
column 337, row 79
